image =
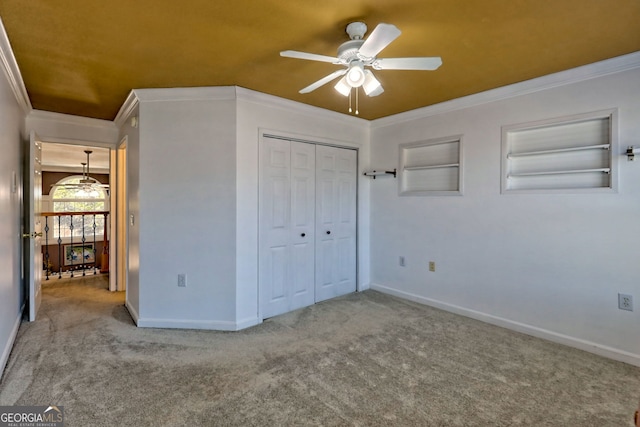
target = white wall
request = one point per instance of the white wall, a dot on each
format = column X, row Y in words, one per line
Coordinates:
column 546, row 264
column 12, row 295
column 258, row 113
column 193, row 185
column 184, row 206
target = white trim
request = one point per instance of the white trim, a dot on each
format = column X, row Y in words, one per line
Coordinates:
column 132, row 312
column 126, row 109
column 247, row 323
column 214, row 325
column 71, row 119
column 306, row 138
column 11, row 69
column 9, row 345
column 589, row 346
column 574, row 75
column 272, row 101
column 205, row 93
column 74, row 141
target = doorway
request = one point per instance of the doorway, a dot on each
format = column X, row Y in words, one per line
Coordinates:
column 307, row 225
column 76, row 206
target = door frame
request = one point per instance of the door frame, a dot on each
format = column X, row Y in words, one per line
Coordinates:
column 32, row 225
column 315, row 140
column 111, row 147
column 120, row 217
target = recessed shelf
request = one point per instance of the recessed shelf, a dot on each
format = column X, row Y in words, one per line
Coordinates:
column 558, row 150
column 572, row 153
column 560, row 172
column 418, row 168
column 432, row 167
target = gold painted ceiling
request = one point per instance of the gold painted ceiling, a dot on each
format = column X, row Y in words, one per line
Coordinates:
column 82, row 57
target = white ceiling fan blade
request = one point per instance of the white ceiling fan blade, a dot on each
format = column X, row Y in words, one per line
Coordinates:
column 424, row 63
column 310, row 56
column 323, row 81
column 380, row 38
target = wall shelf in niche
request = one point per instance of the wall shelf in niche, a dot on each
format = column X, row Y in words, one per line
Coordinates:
column 431, row 168
column 567, row 154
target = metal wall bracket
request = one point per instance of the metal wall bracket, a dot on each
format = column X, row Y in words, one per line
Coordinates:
column 374, row 173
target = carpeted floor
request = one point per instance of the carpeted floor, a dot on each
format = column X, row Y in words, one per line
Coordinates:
column 366, row 359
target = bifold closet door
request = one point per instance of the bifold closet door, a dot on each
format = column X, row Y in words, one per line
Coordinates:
column 286, row 226
column 336, row 173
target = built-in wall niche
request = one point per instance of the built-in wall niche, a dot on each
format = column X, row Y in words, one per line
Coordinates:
column 569, row 154
column 431, row 168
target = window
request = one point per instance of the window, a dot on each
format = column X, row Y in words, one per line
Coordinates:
column 78, row 199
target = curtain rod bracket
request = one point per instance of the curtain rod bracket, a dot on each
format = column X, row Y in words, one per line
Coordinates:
column 375, row 173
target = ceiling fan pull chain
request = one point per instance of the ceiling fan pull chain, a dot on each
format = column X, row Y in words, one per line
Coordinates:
column 357, row 102
column 350, row 90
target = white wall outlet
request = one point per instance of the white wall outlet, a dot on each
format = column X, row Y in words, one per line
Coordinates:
column 182, row 280
column 432, row 266
column 625, row 302
column 401, row 261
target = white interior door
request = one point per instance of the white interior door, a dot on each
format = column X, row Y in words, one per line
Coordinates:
column 33, row 226
column 336, row 175
column 286, row 224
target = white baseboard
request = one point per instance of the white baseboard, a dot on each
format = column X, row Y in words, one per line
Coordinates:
column 247, row 323
column 589, row 346
column 213, row 325
column 132, row 312
column 6, row 351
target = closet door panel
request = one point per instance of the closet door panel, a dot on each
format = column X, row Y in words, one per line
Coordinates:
column 303, row 199
column 336, row 228
column 275, row 226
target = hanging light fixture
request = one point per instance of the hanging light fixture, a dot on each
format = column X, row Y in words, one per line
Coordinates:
column 371, row 85
column 90, row 185
column 87, row 185
column 342, row 87
column 355, row 76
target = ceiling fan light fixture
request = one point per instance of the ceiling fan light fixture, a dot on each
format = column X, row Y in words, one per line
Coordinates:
column 371, row 85
column 343, row 87
column 355, row 76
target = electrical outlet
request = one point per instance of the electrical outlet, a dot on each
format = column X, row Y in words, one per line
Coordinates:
column 401, row 261
column 182, row 280
column 625, row 302
column 432, row 266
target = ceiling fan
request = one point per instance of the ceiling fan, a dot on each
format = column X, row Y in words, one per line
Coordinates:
column 86, row 183
column 358, row 53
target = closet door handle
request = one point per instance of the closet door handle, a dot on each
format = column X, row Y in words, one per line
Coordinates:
column 303, row 234
column 328, row 232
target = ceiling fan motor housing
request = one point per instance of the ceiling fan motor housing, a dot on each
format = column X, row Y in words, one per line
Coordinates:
column 348, row 51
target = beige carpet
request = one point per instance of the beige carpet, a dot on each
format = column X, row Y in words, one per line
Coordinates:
column 367, row 359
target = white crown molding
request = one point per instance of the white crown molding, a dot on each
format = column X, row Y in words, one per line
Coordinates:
column 69, row 119
column 129, row 106
column 562, row 78
column 206, row 93
column 10, row 66
column 272, row 101
column 222, row 93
